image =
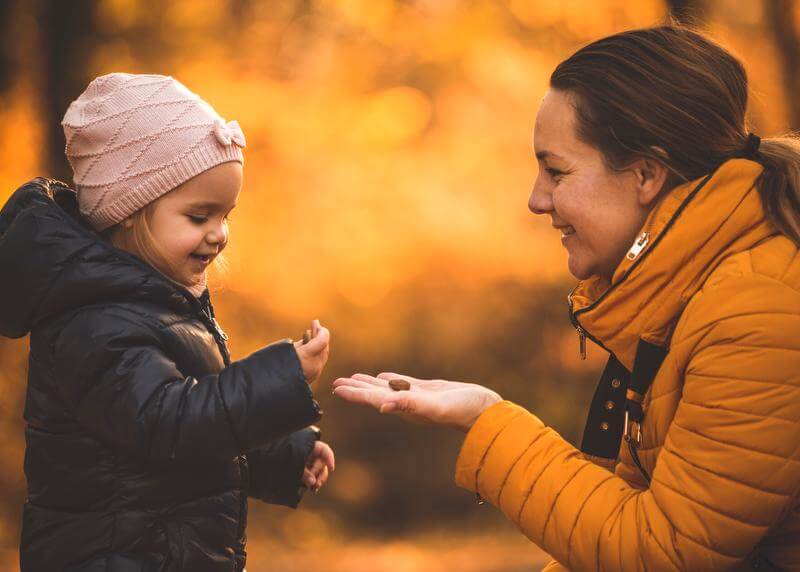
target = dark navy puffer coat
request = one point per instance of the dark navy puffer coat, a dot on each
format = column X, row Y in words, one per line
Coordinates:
column 143, row 438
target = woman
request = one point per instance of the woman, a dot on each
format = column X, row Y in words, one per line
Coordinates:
column 683, row 229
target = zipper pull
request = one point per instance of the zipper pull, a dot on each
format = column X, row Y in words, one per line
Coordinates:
column 638, row 245
column 582, row 342
column 219, row 329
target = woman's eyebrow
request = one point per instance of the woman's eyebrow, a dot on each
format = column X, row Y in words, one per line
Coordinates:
column 542, row 155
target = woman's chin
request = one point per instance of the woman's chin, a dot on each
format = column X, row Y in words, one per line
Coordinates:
column 578, row 268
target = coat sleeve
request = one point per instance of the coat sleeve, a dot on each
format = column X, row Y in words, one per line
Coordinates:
column 115, row 378
column 728, row 471
column 276, row 470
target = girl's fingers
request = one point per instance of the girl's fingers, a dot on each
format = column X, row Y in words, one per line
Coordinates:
column 315, row 326
column 324, row 452
column 322, row 478
column 319, row 342
column 309, row 480
column 316, row 466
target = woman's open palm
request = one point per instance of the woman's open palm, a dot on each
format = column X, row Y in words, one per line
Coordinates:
column 431, row 401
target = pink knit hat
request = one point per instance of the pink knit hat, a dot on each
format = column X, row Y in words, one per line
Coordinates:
column 133, row 138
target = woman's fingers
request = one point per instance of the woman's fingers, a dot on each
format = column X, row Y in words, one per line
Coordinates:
column 386, row 376
column 362, row 381
column 366, row 382
column 364, row 395
column 404, row 404
column 434, row 384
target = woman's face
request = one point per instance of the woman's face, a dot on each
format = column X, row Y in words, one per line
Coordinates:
column 598, row 212
column 190, row 223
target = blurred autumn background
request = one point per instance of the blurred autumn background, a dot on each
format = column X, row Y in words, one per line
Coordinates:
column 387, row 172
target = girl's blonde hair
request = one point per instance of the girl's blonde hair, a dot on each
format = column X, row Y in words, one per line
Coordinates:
column 139, row 239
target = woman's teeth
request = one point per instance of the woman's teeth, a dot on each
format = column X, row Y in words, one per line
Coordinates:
column 566, row 231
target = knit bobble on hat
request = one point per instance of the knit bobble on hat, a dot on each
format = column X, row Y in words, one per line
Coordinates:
column 133, row 138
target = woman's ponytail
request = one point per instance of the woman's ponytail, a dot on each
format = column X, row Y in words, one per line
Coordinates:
column 675, row 89
column 779, row 184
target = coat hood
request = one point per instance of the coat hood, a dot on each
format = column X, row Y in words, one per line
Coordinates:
column 694, row 228
column 51, row 263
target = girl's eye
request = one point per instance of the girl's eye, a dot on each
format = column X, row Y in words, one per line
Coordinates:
column 554, row 173
column 197, row 219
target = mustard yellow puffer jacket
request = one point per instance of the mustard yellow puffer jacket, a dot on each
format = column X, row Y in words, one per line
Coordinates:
column 721, row 434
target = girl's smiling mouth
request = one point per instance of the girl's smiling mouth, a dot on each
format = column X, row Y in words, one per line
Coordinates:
column 203, row 258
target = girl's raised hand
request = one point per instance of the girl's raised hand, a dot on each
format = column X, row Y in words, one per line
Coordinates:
column 432, row 401
column 320, row 463
column 314, row 353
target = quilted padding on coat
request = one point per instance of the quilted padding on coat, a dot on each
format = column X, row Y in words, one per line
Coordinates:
column 721, row 434
column 138, row 425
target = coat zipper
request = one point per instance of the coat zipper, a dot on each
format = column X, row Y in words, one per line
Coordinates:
column 244, row 475
column 638, row 246
column 207, row 316
column 578, row 328
column 583, row 334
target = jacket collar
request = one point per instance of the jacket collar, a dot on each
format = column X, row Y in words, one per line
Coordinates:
column 694, row 228
column 52, row 263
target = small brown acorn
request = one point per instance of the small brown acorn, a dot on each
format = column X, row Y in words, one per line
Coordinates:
column 399, row 384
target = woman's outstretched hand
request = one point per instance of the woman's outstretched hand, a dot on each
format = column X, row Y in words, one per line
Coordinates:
column 430, row 401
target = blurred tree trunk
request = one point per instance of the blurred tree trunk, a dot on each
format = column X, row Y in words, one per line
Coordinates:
column 781, row 19
column 6, row 49
column 67, row 40
column 687, row 11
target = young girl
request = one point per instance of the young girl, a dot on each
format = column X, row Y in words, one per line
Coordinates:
column 144, row 439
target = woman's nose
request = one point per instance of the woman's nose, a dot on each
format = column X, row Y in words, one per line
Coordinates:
column 540, row 201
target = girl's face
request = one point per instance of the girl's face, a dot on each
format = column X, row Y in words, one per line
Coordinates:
column 190, row 223
column 598, row 212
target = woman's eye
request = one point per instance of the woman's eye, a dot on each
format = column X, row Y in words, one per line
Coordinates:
column 554, row 173
column 197, row 219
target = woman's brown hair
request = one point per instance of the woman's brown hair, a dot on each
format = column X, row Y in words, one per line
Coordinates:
column 672, row 94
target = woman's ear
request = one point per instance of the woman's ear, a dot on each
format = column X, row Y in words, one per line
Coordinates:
column 650, row 176
column 127, row 223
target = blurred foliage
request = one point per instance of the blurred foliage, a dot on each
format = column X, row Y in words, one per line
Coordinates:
column 387, row 173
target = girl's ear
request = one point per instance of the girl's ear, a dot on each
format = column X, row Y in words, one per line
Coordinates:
column 127, row 223
column 650, row 176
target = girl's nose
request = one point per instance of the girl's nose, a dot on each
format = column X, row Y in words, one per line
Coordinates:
column 218, row 234
column 541, row 200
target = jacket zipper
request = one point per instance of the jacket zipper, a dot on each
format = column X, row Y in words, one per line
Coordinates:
column 244, row 472
column 639, row 247
column 583, row 334
column 207, row 316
